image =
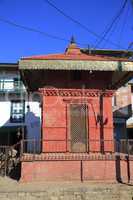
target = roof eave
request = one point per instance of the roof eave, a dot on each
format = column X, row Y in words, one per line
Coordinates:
column 75, row 65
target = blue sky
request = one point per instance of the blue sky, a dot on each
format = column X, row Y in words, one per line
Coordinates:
column 95, row 14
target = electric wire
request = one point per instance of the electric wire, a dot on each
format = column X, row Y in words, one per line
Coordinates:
column 112, row 23
column 123, row 25
column 31, row 29
column 114, row 28
column 79, row 23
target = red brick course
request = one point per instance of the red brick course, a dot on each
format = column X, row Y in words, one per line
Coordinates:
column 91, row 170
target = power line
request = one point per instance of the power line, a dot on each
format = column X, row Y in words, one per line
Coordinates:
column 112, row 23
column 122, row 28
column 106, row 30
column 132, row 3
column 31, row 29
column 124, row 24
column 79, row 23
column 110, row 33
column 130, row 46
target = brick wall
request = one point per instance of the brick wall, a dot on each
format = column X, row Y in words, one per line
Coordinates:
column 92, row 170
column 56, row 120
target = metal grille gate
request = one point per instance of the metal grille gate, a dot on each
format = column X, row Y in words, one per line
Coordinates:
column 78, row 127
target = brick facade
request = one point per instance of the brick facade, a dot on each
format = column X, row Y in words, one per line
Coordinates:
column 56, row 119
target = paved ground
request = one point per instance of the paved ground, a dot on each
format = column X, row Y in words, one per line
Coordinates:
column 7, row 184
column 13, row 190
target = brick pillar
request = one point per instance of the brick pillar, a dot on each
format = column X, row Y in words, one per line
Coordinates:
column 108, row 132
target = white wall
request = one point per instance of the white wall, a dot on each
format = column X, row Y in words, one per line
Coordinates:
column 32, row 118
column 5, row 108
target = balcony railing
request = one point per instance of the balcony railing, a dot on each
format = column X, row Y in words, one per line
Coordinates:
column 12, row 86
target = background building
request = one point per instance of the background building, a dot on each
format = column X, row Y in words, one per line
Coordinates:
column 18, row 110
column 130, row 120
column 122, row 111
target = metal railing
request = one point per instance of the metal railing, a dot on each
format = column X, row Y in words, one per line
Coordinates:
column 11, row 86
column 4, row 159
column 124, row 146
column 33, row 146
column 9, row 154
column 8, row 157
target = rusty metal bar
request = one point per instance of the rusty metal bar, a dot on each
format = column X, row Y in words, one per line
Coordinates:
column 81, row 171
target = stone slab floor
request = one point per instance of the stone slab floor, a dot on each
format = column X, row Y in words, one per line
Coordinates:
column 13, row 190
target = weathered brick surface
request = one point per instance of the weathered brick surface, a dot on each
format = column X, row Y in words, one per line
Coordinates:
column 99, row 170
column 56, row 120
column 90, row 170
column 50, row 170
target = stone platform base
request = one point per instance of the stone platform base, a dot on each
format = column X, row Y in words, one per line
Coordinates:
column 104, row 170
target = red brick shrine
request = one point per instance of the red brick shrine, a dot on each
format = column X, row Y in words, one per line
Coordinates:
column 77, row 121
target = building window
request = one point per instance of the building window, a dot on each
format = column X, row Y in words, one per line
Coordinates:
column 76, row 75
column 11, row 84
column 6, row 84
column 17, row 111
column 16, row 83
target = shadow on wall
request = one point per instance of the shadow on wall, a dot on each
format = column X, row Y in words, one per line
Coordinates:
column 120, row 177
column 123, row 112
column 32, row 132
column 33, row 126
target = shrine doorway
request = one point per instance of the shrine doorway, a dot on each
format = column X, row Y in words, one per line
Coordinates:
column 78, row 128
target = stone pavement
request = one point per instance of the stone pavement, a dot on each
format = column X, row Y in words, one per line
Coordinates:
column 12, row 190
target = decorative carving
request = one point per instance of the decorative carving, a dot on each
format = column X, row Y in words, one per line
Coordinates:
column 73, row 156
column 70, row 100
column 76, row 92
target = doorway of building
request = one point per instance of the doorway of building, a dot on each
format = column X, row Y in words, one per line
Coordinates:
column 78, row 127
